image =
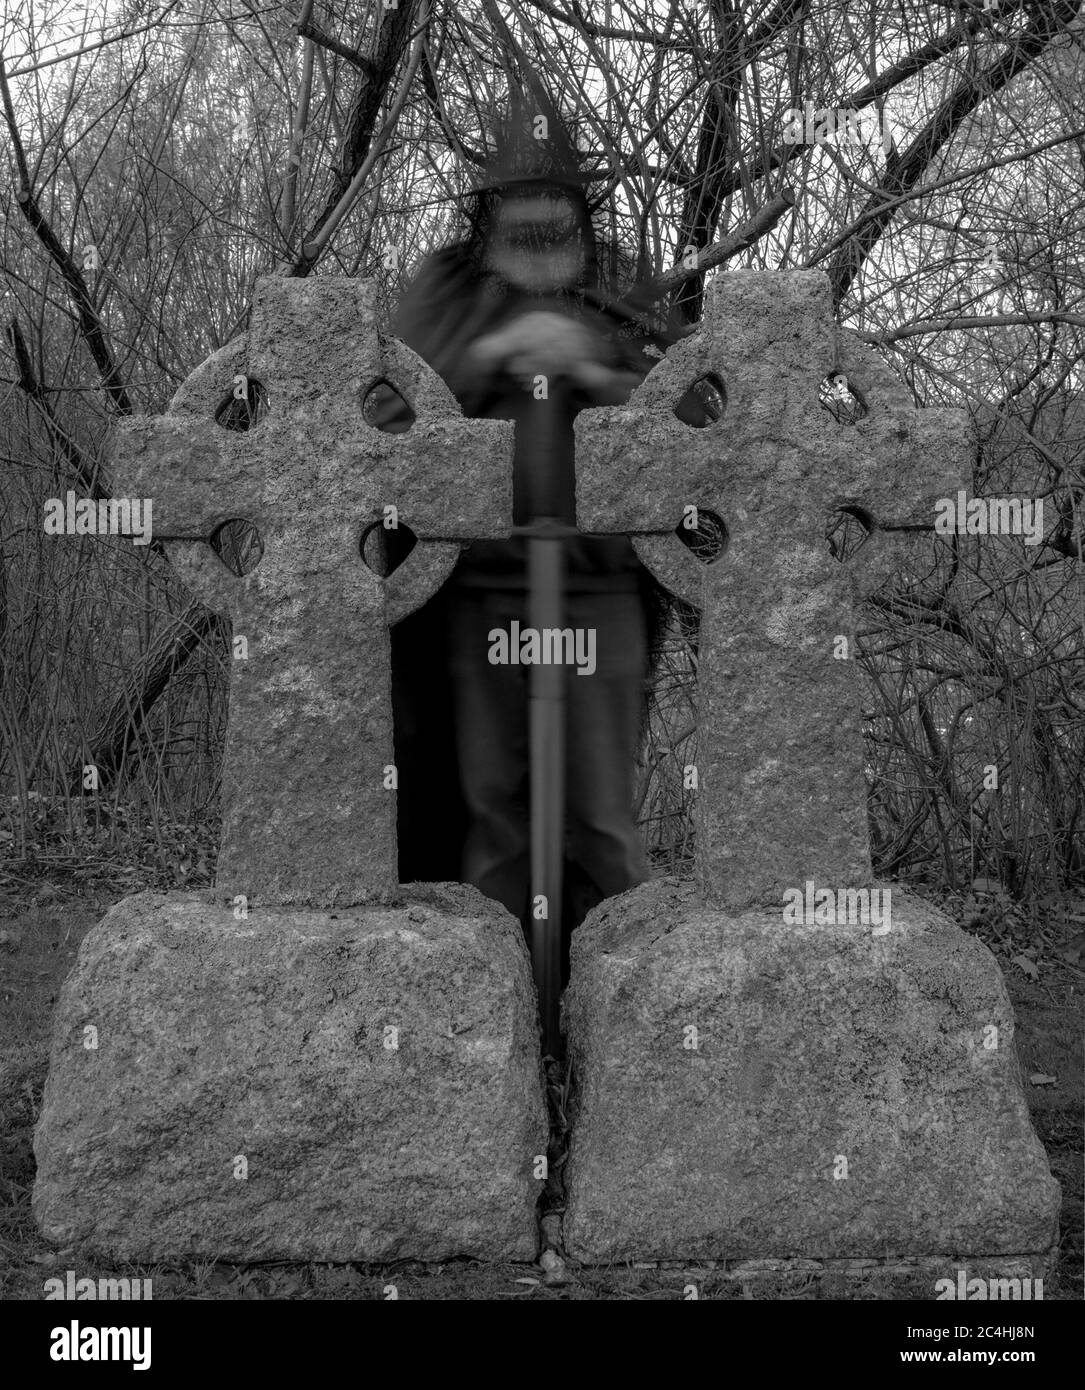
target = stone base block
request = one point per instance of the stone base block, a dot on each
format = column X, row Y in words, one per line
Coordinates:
column 748, row 1089
column 354, row 1085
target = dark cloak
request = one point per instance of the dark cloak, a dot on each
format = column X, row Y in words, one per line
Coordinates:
column 449, row 304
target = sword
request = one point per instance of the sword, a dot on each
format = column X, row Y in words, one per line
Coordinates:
column 545, row 537
column 546, row 733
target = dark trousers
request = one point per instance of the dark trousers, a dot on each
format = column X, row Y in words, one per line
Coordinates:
column 603, row 849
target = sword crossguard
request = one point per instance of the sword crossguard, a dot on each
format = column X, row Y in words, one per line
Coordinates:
column 546, row 528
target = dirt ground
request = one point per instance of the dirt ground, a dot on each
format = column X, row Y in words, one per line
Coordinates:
column 44, row 918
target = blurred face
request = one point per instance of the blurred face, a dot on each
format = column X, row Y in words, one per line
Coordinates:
column 534, row 243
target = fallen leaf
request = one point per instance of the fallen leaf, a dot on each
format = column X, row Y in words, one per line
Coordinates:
column 525, row 1281
column 1031, row 969
column 1074, row 948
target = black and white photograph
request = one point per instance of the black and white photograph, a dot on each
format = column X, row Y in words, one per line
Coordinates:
column 542, row 670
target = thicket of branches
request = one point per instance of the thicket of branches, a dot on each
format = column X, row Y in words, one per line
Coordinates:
column 159, row 156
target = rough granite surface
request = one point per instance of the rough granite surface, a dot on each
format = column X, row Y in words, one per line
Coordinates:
column 839, row 1096
column 780, row 761
column 308, row 816
column 819, row 1051
column 266, row 1040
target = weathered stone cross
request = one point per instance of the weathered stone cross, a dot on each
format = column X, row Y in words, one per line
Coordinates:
column 781, row 792
column 308, row 805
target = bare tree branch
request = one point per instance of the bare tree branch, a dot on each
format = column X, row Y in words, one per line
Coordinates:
column 36, row 392
column 312, row 248
column 90, row 324
column 119, row 724
column 903, row 170
column 395, row 30
column 711, row 256
column 308, row 30
column 911, row 330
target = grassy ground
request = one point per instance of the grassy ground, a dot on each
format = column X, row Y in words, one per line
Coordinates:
column 45, row 913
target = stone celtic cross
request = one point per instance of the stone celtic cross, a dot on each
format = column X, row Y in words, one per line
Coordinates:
column 781, row 792
column 308, row 813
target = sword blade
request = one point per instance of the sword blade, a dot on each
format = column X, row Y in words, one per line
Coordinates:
column 546, row 732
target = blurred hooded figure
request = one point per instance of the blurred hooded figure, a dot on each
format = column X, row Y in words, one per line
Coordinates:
column 490, row 313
